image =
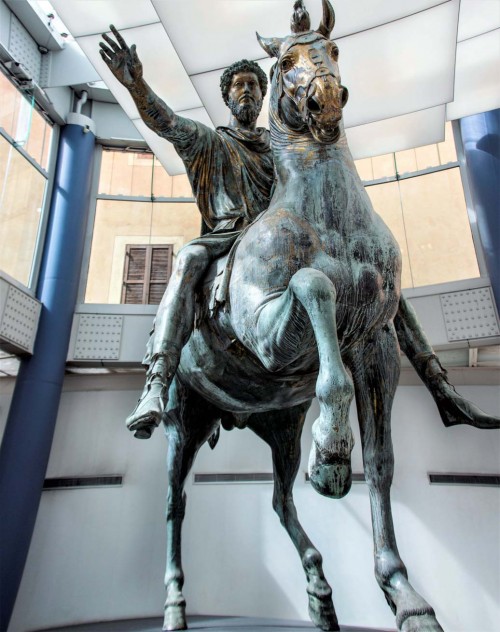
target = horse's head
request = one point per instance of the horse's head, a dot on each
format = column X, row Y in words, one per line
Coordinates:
column 307, row 74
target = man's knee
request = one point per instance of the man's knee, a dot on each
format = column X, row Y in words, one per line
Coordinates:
column 192, row 260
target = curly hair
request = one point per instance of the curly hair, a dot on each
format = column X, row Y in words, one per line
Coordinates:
column 242, row 66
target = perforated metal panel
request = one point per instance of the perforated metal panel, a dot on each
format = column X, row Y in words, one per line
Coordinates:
column 45, row 66
column 469, row 314
column 24, row 49
column 19, row 320
column 99, row 337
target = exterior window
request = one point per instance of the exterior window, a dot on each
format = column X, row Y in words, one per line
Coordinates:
column 146, row 273
column 25, row 138
column 419, row 195
column 138, row 204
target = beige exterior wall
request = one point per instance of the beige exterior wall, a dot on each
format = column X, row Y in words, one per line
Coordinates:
column 120, row 223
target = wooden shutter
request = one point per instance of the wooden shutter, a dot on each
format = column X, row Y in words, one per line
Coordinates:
column 146, row 273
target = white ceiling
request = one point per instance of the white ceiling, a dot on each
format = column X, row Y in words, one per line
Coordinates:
column 405, row 71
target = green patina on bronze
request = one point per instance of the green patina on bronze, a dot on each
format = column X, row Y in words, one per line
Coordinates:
column 296, row 301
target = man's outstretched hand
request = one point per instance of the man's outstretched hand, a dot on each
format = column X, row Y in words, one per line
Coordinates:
column 123, row 61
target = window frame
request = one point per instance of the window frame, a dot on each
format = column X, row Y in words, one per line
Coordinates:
column 49, row 175
column 460, row 163
column 103, row 145
column 421, row 291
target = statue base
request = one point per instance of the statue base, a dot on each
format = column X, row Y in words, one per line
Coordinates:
column 214, row 623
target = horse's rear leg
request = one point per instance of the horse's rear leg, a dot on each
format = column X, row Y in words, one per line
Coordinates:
column 283, row 330
column 281, row 430
column 375, row 371
column 190, row 421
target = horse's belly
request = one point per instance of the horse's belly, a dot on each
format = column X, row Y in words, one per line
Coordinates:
column 227, row 375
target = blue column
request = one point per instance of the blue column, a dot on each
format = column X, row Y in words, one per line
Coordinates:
column 481, row 140
column 27, row 441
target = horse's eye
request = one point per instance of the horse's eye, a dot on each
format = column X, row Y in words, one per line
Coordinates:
column 286, row 65
column 335, row 52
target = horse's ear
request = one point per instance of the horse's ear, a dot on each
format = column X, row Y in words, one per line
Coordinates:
column 327, row 21
column 270, row 44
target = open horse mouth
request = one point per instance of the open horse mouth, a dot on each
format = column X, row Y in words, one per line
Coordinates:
column 323, row 133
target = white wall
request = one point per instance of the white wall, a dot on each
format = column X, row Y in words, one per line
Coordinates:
column 98, row 554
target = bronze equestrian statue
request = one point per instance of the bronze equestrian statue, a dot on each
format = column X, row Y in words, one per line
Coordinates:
column 305, row 302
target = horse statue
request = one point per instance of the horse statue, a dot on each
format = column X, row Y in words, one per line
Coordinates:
column 311, row 299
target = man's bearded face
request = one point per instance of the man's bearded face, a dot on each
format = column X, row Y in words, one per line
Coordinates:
column 245, row 97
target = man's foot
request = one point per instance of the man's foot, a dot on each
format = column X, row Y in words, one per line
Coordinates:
column 455, row 409
column 151, row 404
column 149, row 410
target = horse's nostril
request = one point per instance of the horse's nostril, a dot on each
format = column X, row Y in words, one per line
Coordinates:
column 313, row 105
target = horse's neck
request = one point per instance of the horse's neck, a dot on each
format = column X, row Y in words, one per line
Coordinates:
column 298, row 158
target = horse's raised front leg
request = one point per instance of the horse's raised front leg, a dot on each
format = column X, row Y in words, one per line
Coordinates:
column 375, row 371
column 190, row 421
column 282, row 333
column 281, row 430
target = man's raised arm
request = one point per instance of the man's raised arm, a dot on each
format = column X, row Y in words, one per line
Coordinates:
column 126, row 66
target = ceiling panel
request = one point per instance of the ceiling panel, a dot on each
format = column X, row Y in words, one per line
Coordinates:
column 397, row 134
column 211, row 35
column 197, row 114
column 477, row 85
column 162, row 68
column 89, row 17
column 477, row 17
column 397, row 59
column 162, row 149
column 401, row 67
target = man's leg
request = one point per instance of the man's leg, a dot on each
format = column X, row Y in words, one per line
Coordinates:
column 453, row 408
column 172, row 328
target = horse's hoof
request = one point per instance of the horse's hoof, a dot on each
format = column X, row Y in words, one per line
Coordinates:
column 175, row 618
column 421, row 623
column 333, row 481
column 322, row 614
column 330, row 478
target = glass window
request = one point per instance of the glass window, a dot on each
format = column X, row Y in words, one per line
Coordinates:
column 119, row 224
column 426, row 212
column 23, row 123
column 139, row 174
column 21, row 198
column 156, row 226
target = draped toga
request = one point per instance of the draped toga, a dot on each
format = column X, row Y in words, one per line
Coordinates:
column 231, row 174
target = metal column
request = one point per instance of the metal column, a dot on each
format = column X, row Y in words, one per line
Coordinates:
column 27, row 441
column 481, row 141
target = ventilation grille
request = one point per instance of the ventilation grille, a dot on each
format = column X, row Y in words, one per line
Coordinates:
column 98, row 337
column 238, row 477
column 469, row 314
column 478, row 480
column 19, row 321
column 74, row 482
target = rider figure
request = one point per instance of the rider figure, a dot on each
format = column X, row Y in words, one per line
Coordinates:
column 231, row 174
